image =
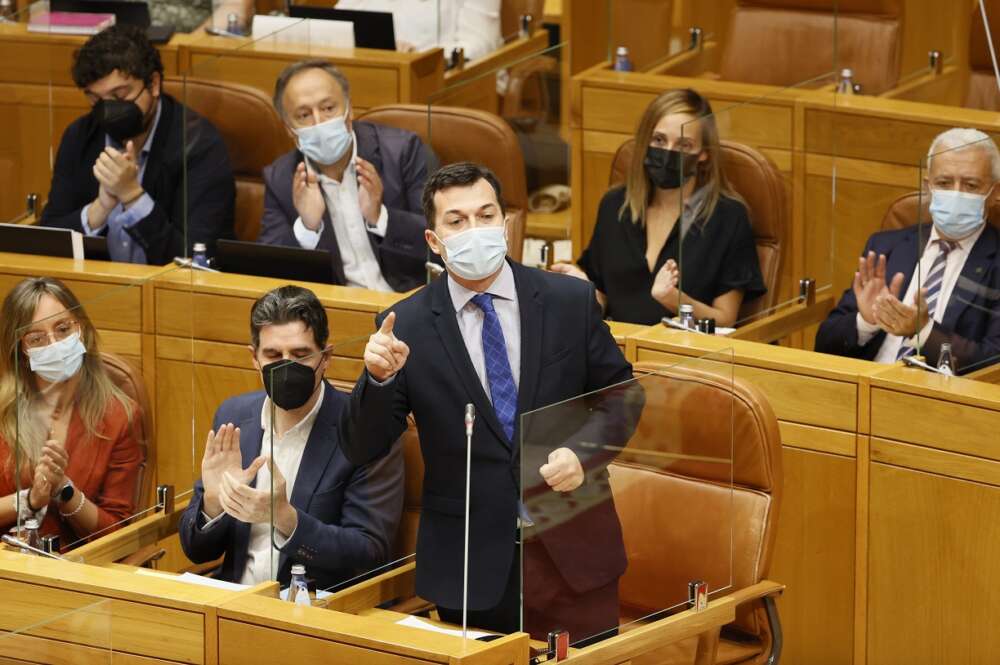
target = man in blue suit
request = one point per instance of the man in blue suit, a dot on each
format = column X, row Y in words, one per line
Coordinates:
column 508, row 340
column 887, row 314
column 335, row 517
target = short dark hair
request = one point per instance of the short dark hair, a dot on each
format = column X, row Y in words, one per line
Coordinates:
column 292, row 70
column 122, row 47
column 459, row 174
column 287, row 304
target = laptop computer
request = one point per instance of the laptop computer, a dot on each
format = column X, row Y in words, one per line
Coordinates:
column 294, row 263
column 371, row 29
column 41, row 240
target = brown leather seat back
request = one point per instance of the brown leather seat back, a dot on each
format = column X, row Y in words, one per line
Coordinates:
column 460, row 134
column 913, row 208
column 690, row 517
column 406, row 534
column 982, row 92
column 254, row 135
column 511, row 12
column 788, row 42
column 129, row 380
column 758, row 181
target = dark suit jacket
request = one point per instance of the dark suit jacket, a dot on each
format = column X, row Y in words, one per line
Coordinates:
column 211, row 190
column 971, row 322
column 348, row 514
column 401, row 160
column 566, row 350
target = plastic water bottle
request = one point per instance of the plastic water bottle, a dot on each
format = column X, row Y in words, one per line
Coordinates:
column 623, row 63
column 200, row 256
column 7, row 10
column 946, row 361
column 30, row 535
column 845, row 86
column 686, row 314
column 298, row 591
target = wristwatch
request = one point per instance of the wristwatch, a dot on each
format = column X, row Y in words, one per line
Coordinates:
column 67, row 492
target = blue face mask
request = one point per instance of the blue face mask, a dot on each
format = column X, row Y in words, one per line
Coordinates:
column 477, row 253
column 59, row 361
column 957, row 214
column 326, row 142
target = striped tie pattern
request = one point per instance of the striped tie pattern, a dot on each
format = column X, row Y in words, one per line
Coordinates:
column 503, row 390
column 932, row 283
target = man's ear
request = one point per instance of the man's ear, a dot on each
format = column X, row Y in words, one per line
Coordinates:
column 253, row 356
column 156, row 85
column 349, row 118
column 432, row 241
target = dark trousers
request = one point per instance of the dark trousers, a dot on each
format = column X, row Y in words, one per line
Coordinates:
column 549, row 603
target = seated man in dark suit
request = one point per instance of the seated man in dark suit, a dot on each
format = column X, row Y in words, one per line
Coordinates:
column 887, row 314
column 120, row 169
column 352, row 188
column 337, row 518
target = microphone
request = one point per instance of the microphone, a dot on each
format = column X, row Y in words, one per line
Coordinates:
column 17, row 542
column 470, row 418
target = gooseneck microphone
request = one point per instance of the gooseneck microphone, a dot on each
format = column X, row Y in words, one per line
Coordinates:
column 470, row 419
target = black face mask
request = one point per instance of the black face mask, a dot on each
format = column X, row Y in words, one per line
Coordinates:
column 289, row 384
column 120, row 119
column 669, row 169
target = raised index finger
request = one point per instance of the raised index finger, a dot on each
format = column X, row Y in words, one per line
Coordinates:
column 387, row 324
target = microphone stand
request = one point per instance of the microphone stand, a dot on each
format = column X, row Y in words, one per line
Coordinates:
column 470, row 418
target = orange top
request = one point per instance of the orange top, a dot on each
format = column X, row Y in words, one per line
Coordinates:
column 105, row 467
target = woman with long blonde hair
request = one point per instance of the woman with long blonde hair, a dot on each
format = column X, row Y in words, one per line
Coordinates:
column 68, row 454
column 676, row 233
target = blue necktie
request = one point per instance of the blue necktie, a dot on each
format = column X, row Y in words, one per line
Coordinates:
column 933, row 285
column 498, row 374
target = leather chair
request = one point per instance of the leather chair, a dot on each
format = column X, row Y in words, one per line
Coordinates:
column 459, row 134
column 757, row 180
column 911, row 208
column 726, row 508
column 982, row 92
column 406, row 535
column 788, row 42
column 254, row 135
column 124, row 375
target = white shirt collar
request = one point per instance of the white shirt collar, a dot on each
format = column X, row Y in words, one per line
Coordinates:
column 305, row 423
column 502, row 287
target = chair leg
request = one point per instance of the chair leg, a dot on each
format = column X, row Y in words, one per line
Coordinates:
column 708, row 647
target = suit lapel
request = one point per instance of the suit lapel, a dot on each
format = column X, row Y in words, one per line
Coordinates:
column 972, row 277
column 530, row 304
column 904, row 259
column 446, row 325
column 159, row 149
column 317, row 454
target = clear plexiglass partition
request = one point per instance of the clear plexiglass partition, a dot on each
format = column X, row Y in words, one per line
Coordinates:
column 45, row 629
column 626, row 501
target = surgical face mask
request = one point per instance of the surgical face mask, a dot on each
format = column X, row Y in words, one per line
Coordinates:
column 957, row 214
column 289, row 384
column 58, row 361
column 669, row 169
column 326, row 142
column 120, row 119
column 477, row 253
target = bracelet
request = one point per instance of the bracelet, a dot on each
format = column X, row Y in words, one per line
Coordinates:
column 27, row 501
column 83, row 500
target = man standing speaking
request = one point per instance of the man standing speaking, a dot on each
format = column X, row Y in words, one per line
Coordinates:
column 507, row 339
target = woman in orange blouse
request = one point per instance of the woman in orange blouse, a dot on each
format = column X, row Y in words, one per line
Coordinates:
column 76, row 455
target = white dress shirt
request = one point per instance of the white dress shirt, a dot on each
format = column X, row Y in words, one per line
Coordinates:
column 953, row 268
column 287, row 456
column 361, row 267
column 470, row 322
column 472, row 24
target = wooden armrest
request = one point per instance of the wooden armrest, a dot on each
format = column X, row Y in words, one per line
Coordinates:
column 202, row 568
column 414, row 605
column 756, row 591
column 507, row 55
column 785, row 321
column 396, row 583
column 989, row 374
column 519, row 75
column 131, row 538
column 144, row 556
column 929, row 87
column 692, row 62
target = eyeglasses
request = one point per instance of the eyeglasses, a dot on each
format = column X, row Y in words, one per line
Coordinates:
column 39, row 338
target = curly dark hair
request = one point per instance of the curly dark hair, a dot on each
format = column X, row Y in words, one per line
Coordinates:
column 287, row 304
column 122, row 47
column 459, row 174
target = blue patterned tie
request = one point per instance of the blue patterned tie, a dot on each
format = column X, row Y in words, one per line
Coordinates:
column 498, row 374
column 933, row 285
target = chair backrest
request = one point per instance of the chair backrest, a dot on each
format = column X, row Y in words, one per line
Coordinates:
column 460, row 134
column 254, row 135
column 726, row 508
column 128, row 378
column 406, row 534
column 982, row 92
column 913, row 208
column 511, row 12
column 788, row 42
column 758, row 181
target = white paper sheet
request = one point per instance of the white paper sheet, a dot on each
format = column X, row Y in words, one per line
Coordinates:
column 417, row 622
column 315, row 32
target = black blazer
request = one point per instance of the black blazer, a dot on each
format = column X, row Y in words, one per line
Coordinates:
column 211, row 190
column 348, row 514
column 401, row 159
column 971, row 322
column 566, row 350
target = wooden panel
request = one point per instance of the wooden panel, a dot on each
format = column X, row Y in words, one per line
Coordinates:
column 934, row 569
column 133, row 627
column 813, row 557
column 963, row 467
column 109, row 306
column 57, row 652
column 941, row 424
column 818, row 439
column 794, row 398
